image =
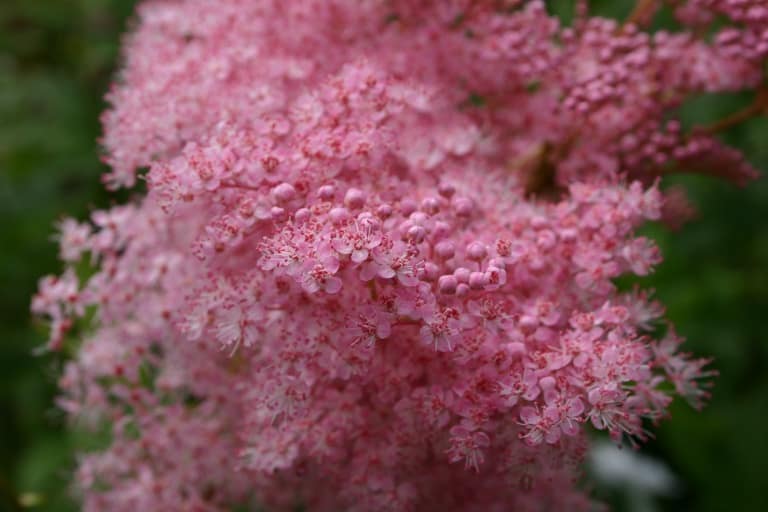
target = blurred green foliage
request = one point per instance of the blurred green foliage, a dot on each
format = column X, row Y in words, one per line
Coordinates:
column 56, row 60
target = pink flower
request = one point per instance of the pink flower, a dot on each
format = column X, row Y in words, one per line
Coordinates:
column 641, row 255
column 358, row 239
column 369, row 325
column 443, row 331
column 468, row 445
column 232, row 326
column 393, row 260
column 521, row 384
column 317, row 276
column 73, row 239
column 371, row 244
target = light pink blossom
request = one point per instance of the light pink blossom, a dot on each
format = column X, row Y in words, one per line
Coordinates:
column 379, row 238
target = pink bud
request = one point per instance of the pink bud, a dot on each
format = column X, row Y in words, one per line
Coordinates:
column 277, row 213
column 430, row 205
column 445, row 249
column 418, row 218
column 407, row 206
column 447, row 284
column 338, row 215
column 441, row 229
column 354, row 198
column 431, row 271
column 326, row 192
column 384, row 211
column 478, row 280
column 283, row 192
column 476, row 251
column 416, row 234
column 463, row 207
column 446, row 190
column 462, row 274
column 302, row 215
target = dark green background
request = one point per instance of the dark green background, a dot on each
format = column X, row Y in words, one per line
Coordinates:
column 56, row 60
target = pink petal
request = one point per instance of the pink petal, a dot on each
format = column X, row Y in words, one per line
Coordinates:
column 332, row 285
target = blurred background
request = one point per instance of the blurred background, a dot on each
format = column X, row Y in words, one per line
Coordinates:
column 56, row 60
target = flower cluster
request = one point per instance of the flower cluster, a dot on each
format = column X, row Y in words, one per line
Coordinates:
column 375, row 267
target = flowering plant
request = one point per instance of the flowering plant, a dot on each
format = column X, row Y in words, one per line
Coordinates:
column 375, row 266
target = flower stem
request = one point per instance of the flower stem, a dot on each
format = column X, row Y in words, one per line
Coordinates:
column 642, row 13
column 758, row 107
